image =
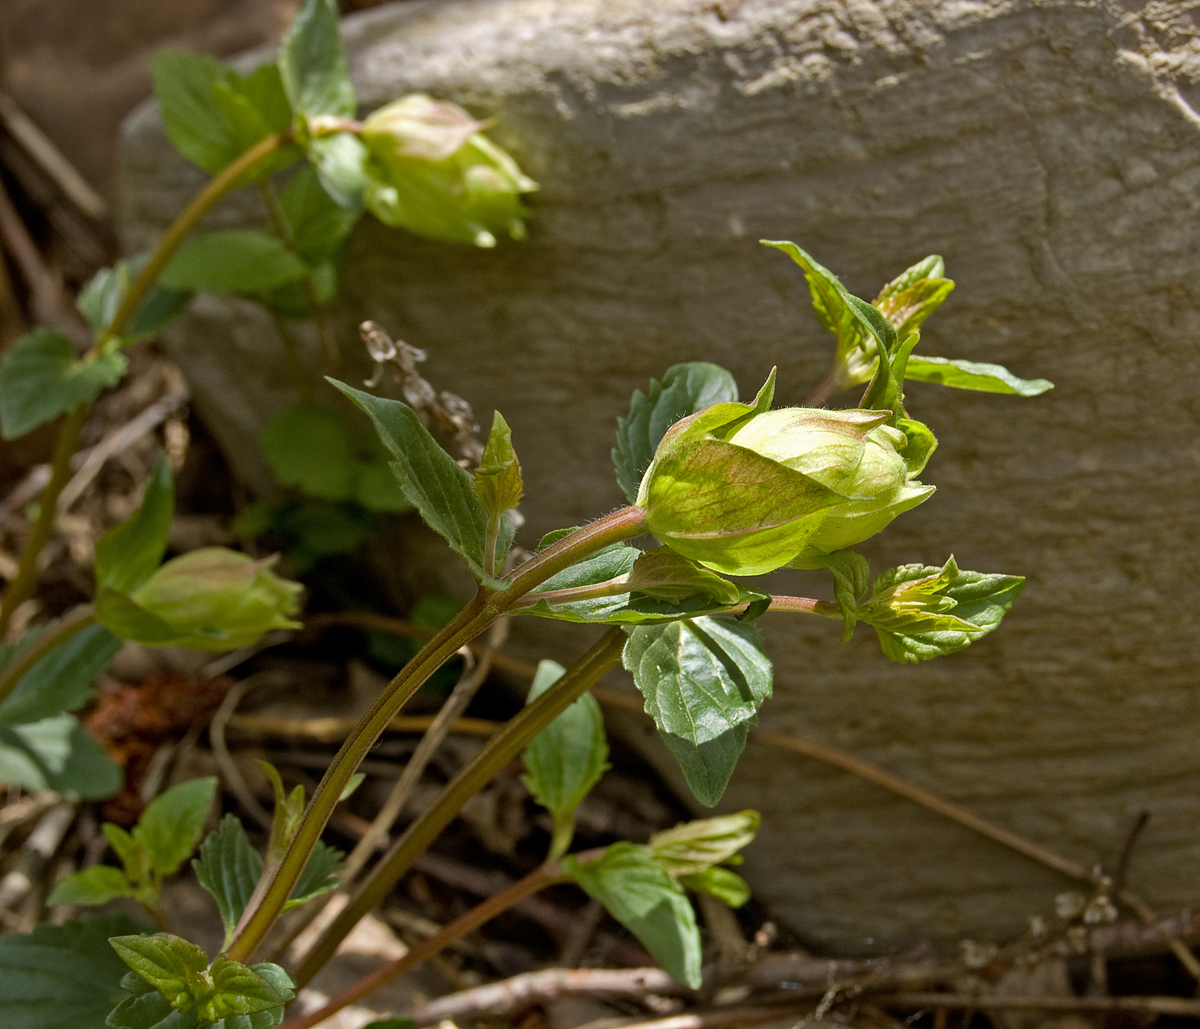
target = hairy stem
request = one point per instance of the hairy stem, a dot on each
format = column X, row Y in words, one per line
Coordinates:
column 51, row 637
column 474, row 619
column 501, row 749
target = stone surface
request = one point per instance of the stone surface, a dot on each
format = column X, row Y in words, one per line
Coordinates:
column 1049, row 152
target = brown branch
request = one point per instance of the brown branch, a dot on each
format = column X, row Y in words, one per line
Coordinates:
column 1180, row 1006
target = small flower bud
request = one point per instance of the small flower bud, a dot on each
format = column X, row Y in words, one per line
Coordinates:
column 219, row 599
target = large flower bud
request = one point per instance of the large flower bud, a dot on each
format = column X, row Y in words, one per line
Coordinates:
column 745, row 493
column 217, row 599
column 434, row 173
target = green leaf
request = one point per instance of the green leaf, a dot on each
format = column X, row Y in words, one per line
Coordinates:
column 173, row 823
column 134, row 858
column 976, row 375
column 57, row 754
column 143, row 1007
column 886, row 389
column 174, row 966
column 60, row 681
column 233, row 261
column 636, row 890
column 872, row 322
column 684, row 390
column 289, row 809
column 919, row 446
column 101, row 299
column 237, row 990
column 931, row 267
column 340, row 162
column 62, row 976
column 96, row 885
column 718, row 882
column 312, row 448
column 41, row 378
column 666, row 575
column 312, row 64
column 498, row 478
column 851, row 580
column 691, row 847
column 828, row 299
column 126, row 618
column 228, row 868
column 907, row 308
column 128, row 553
column 703, row 681
column 921, row 612
column 319, row 875
column 567, row 758
column 318, row 223
column 434, row 483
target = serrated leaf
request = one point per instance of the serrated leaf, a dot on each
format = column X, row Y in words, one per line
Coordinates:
column 703, row 681
column 101, row 299
column 921, row 612
column 175, row 967
column 129, row 552
column 691, row 847
column 233, row 261
column 42, row 378
column 236, row 990
column 173, row 823
column 636, row 890
column 435, row 484
column 62, row 976
column 976, row 375
column 567, row 758
column 312, row 64
column 96, row 885
column 311, row 448
column 721, row 883
column 318, row 223
column 851, row 580
column 498, row 478
column 228, row 868
column 684, row 390
column 57, row 754
column 340, row 162
column 319, row 875
column 60, row 681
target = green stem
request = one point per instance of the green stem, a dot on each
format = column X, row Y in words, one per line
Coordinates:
column 75, row 622
column 564, row 832
column 68, row 437
column 500, row 750
column 474, row 619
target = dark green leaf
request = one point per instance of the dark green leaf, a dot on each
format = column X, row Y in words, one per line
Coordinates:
column 312, row 64
column 57, row 754
column 851, row 580
column 921, row 612
column 684, row 390
column 319, row 224
column 976, row 375
column 498, row 477
column 872, row 322
column 233, row 261
column 636, row 890
column 340, row 162
column 436, row 485
column 886, row 390
column 567, row 758
column 319, row 875
column 237, row 990
column 311, row 448
column 691, row 847
column 183, row 83
column 228, row 868
column 62, row 976
column 62, row 680
column 130, row 551
column 703, row 681
column 101, row 298
column 96, row 885
column 41, row 378
column 173, row 823
column 143, row 1007
column 719, row 882
column 172, row 965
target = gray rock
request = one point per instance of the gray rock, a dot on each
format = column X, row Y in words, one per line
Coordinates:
column 1050, row 153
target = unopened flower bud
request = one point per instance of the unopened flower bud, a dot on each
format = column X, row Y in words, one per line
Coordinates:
column 433, row 172
column 219, row 599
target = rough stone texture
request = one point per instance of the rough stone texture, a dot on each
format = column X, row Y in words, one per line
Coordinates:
column 1049, row 152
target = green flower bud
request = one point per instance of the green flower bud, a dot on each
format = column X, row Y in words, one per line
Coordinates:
column 745, row 493
column 433, row 172
column 218, row 599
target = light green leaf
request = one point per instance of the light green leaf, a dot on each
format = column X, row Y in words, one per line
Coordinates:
column 567, row 758
column 691, row 847
column 636, row 890
column 173, row 823
column 318, row 223
column 41, row 378
column 684, row 390
column 134, row 858
column 931, row 267
column 319, row 875
column 703, row 681
column 312, row 448
column 907, row 308
column 668, row 576
column 921, row 612
column 498, row 477
column 851, row 580
column 237, row 990
column 233, row 261
column 172, row 965
column 96, row 885
column 289, row 809
column 719, row 882
column 919, row 446
column 101, row 299
column 312, row 64
column 228, row 868
column 976, row 375
column 128, row 553
column 57, row 754
column 828, row 297
column 121, row 614
column 62, row 976
column 435, row 484
column 60, row 681
column 340, row 161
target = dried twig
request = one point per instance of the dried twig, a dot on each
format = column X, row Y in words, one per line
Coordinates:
column 330, row 729
column 216, row 737
column 41, row 846
column 1180, row 1006
column 16, row 814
